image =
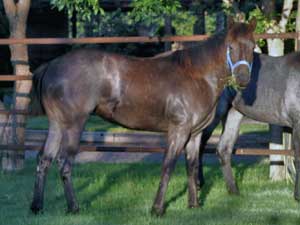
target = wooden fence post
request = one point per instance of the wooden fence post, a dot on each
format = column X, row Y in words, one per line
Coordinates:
column 277, row 170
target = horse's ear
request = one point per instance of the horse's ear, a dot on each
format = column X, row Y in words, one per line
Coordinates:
column 230, row 22
column 252, row 24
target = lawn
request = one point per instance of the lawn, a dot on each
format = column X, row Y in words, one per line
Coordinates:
column 96, row 123
column 123, row 194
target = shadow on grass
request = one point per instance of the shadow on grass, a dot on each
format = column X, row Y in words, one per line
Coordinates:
column 210, row 174
column 139, row 172
column 117, row 178
column 176, row 196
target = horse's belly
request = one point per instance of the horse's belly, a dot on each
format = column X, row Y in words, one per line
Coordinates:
column 141, row 119
column 264, row 109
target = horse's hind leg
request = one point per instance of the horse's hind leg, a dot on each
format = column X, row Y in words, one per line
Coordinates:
column 296, row 142
column 192, row 154
column 177, row 138
column 49, row 153
column 225, row 147
column 65, row 160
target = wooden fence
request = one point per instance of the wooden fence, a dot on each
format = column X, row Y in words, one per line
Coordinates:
column 148, row 146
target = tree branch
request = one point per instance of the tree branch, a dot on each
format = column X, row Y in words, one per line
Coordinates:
column 10, row 8
column 286, row 12
column 23, row 8
column 298, row 17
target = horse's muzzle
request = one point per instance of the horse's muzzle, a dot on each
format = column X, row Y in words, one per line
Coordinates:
column 242, row 79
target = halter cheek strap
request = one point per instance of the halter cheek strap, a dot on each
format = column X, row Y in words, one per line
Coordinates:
column 238, row 63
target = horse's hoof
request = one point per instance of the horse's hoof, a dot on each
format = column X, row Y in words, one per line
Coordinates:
column 73, row 210
column 157, row 211
column 36, row 209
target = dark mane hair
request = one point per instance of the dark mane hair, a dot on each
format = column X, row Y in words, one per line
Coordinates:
column 203, row 53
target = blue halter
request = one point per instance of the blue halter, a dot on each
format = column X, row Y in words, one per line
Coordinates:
column 238, row 63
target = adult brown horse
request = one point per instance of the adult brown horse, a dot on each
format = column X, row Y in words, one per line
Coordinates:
column 176, row 94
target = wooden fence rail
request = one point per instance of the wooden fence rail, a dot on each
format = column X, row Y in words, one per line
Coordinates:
column 133, row 142
column 15, row 77
column 147, row 149
column 133, row 39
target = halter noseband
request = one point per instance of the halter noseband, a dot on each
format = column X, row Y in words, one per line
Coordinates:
column 238, row 63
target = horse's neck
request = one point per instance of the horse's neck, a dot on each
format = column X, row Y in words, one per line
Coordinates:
column 216, row 82
column 214, row 69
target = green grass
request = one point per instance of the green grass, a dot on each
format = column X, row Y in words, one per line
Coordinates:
column 96, row 123
column 123, row 194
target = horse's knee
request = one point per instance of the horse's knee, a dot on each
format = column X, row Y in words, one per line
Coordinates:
column 224, row 154
column 65, row 172
column 43, row 164
column 65, row 168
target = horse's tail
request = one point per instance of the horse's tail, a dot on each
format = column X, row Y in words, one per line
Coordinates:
column 36, row 105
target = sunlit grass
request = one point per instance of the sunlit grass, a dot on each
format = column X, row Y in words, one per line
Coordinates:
column 123, row 194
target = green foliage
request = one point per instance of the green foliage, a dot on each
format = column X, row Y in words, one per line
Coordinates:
column 84, row 8
column 153, row 12
column 291, row 25
column 184, row 23
column 146, row 12
column 262, row 24
column 116, row 23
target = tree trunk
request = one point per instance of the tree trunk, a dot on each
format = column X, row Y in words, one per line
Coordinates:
column 220, row 21
column 199, row 27
column 276, row 48
column 168, row 31
column 74, row 24
column 17, row 12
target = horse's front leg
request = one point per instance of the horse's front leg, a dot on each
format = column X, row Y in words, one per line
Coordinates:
column 192, row 159
column 296, row 143
column 177, row 138
column 225, row 147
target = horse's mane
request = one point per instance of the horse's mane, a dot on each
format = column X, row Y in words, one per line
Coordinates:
column 203, row 54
